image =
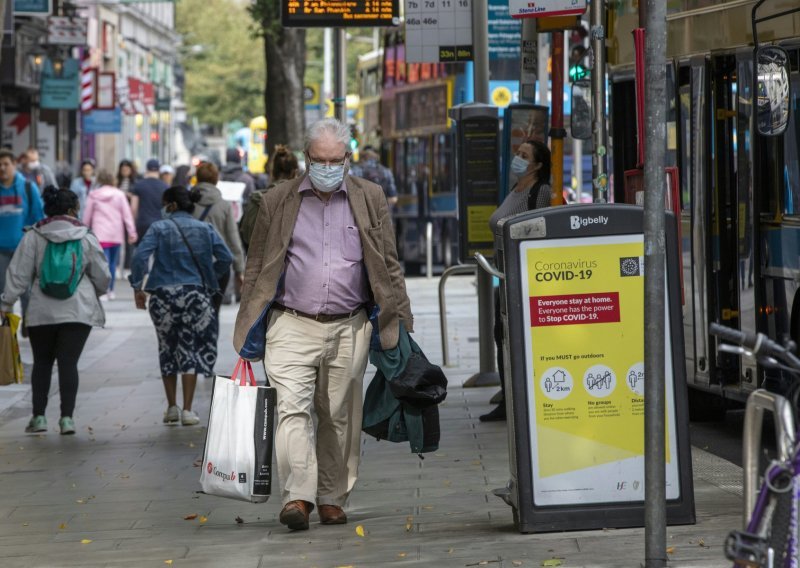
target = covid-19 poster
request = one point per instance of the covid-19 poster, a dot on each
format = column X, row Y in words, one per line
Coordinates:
column 583, row 303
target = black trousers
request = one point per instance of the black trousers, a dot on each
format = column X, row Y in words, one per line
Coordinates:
column 63, row 343
column 216, row 299
column 498, row 340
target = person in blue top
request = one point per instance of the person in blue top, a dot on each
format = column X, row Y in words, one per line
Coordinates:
column 189, row 258
column 20, row 207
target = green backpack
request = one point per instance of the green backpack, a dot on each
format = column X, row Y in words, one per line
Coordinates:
column 61, row 269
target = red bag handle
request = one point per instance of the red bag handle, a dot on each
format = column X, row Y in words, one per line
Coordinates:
column 245, row 370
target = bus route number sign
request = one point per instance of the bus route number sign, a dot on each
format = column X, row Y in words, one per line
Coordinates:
column 339, row 13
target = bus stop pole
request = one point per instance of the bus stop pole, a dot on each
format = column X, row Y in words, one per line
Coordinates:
column 480, row 40
column 340, row 74
column 599, row 134
column 655, row 511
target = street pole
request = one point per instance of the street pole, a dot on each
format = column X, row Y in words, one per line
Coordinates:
column 480, row 46
column 599, row 134
column 654, row 271
column 340, row 74
column 327, row 70
column 557, row 132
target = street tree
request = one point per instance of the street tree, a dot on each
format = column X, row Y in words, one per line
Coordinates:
column 285, row 57
column 224, row 74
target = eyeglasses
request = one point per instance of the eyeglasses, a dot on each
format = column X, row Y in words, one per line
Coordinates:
column 339, row 162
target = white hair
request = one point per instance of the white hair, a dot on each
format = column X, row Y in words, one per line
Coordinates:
column 330, row 127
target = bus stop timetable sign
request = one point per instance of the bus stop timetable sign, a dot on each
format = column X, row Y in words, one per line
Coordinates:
column 339, row 13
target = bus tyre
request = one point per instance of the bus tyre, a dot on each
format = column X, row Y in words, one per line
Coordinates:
column 706, row 407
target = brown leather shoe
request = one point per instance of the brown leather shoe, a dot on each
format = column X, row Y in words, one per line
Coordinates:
column 331, row 515
column 295, row 515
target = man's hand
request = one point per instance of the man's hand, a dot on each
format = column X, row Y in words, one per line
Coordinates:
column 238, row 282
column 131, row 239
column 140, row 297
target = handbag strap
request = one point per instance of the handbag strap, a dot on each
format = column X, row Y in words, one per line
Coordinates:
column 191, row 252
column 245, row 371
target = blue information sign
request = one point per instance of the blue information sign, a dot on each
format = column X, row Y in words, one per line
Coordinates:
column 103, row 121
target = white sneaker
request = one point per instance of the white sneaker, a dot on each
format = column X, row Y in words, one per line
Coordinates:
column 104, row 298
column 112, row 295
column 172, row 415
column 189, row 418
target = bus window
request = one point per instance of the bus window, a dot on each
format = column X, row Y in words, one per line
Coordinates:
column 791, row 141
column 685, row 146
column 442, row 181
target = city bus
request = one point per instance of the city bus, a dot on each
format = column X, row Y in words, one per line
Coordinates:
column 369, row 75
column 740, row 235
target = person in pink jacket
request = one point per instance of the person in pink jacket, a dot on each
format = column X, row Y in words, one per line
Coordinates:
column 108, row 215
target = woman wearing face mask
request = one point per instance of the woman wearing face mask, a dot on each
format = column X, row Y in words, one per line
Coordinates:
column 531, row 166
column 189, row 257
column 84, row 183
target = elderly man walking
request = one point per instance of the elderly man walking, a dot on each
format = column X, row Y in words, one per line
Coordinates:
column 322, row 264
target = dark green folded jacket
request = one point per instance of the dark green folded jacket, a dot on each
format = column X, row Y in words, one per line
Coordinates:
column 386, row 417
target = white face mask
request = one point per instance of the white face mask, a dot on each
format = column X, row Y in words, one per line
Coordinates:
column 326, row 178
column 33, row 165
column 519, row 165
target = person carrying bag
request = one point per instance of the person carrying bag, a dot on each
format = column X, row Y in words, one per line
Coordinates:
column 237, row 460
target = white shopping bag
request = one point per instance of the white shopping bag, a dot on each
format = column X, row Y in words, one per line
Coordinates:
column 237, row 461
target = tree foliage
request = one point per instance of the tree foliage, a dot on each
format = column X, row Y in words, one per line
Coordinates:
column 223, row 61
column 285, row 56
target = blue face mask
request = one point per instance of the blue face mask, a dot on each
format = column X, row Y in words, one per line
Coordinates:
column 519, row 165
column 326, row 178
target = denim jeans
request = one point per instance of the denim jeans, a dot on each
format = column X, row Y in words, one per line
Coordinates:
column 5, row 260
column 112, row 256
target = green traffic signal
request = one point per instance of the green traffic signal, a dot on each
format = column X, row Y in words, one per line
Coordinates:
column 578, row 72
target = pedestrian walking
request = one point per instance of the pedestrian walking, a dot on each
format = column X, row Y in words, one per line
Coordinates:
column 146, row 196
column 84, row 183
column 233, row 171
column 20, row 207
column 37, row 171
column 531, row 166
column 126, row 175
column 62, row 263
column 370, row 168
column 108, row 215
column 188, row 258
column 283, row 167
column 166, row 173
column 211, row 208
column 313, row 276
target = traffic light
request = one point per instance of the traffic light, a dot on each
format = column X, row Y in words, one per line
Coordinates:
column 577, row 64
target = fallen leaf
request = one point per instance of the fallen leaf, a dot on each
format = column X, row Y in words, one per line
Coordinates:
column 476, row 462
column 516, row 562
column 203, row 519
column 409, row 523
column 168, row 562
column 239, row 520
column 80, row 501
column 86, row 541
column 25, row 524
column 191, row 444
column 670, row 550
column 401, row 554
column 360, row 530
column 62, row 526
column 449, row 551
column 198, row 462
column 551, row 562
column 427, row 507
column 124, row 476
column 701, row 542
column 191, row 517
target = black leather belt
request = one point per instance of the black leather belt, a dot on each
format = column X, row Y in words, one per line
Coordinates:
column 322, row 318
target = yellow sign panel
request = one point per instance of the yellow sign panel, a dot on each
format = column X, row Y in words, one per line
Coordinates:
column 501, row 96
column 584, row 319
column 478, row 230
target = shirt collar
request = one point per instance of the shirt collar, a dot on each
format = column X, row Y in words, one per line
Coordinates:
column 306, row 185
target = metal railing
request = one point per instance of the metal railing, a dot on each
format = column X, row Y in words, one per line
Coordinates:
column 458, row 269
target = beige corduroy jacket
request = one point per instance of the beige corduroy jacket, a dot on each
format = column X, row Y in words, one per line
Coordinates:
column 267, row 253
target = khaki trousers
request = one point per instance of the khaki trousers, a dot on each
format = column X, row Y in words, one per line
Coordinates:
column 320, row 364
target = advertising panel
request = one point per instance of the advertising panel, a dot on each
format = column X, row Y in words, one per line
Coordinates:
column 60, row 87
column 583, row 303
column 102, row 121
column 32, row 7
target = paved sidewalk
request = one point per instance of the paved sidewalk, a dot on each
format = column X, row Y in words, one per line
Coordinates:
column 118, row 493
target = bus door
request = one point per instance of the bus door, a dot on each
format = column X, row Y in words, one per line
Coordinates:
column 724, row 220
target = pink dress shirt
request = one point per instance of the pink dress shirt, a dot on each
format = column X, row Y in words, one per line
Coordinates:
column 324, row 263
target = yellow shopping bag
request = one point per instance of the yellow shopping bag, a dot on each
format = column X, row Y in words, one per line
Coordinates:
column 10, row 360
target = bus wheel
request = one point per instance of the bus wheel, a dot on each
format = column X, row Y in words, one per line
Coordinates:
column 447, row 250
column 706, row 407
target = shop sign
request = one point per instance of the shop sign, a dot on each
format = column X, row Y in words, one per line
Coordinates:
column 60, row 90
column 32, row 7
column 103, row 121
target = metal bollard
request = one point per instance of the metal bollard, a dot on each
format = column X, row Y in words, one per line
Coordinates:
column 458, row 269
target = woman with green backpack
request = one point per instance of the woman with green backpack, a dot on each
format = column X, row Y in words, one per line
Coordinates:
column 62, row 263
